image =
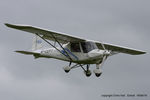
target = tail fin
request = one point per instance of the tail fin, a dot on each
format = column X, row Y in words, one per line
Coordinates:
column 37, row 43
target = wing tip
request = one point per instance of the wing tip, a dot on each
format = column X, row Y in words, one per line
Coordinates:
column 19, row 51
column 16, row 26
column 143, row 52
column 7, row 24
column 140, row 53
column 10, row 25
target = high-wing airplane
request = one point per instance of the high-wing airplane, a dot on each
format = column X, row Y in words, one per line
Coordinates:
column 77, row 51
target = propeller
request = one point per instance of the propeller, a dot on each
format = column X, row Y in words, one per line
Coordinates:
column 106, row 53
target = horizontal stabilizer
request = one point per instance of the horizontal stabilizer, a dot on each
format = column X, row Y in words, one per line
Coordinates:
column 27, row 52
column 36, row 55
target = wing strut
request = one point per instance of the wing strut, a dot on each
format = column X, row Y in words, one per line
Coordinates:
column 61, row 46
column 67, row 55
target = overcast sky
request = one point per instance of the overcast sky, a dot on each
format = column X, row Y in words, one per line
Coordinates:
column 119, row 22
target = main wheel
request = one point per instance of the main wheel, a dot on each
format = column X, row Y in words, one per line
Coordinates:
column 88, row 73
column 67, row 69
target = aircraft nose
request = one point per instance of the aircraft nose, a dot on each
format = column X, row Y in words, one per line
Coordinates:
column 95, row 53
column 106, row 52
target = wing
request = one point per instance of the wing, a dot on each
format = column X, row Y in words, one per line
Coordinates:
column 119, row 49
column 49, row 35
column 64, row 38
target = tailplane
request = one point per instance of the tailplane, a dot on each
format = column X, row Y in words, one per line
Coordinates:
column 36, row 45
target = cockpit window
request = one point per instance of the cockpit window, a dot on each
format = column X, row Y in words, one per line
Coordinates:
column 88, row 46
column 75, row 47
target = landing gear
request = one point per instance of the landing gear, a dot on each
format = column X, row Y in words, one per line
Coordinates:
column 97, row 71
column 86, row 70
column 98, row 74
column 88, row 73
column 67, row 69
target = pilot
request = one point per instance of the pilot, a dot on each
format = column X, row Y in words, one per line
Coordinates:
column 75, row 47
column 88, row 47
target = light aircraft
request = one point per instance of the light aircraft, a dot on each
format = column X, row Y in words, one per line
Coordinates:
column 80, row 52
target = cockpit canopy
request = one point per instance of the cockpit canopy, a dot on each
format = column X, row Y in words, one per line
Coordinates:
column 82, row 46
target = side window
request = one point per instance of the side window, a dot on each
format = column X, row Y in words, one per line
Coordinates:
column 83, row 44
column 75, row 47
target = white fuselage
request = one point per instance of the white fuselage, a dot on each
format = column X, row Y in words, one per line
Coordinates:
column 92, row 57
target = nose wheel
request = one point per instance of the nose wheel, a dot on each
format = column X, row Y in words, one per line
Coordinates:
column 98, row 74
column 97, row 71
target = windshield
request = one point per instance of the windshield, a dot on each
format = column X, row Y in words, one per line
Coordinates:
column 88, row 46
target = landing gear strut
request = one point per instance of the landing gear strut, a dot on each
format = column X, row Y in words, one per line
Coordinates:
column 87, row 71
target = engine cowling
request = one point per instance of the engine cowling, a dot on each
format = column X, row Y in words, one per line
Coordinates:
column 95, row 53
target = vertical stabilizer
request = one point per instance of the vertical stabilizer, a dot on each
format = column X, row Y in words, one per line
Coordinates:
column 37, row 43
